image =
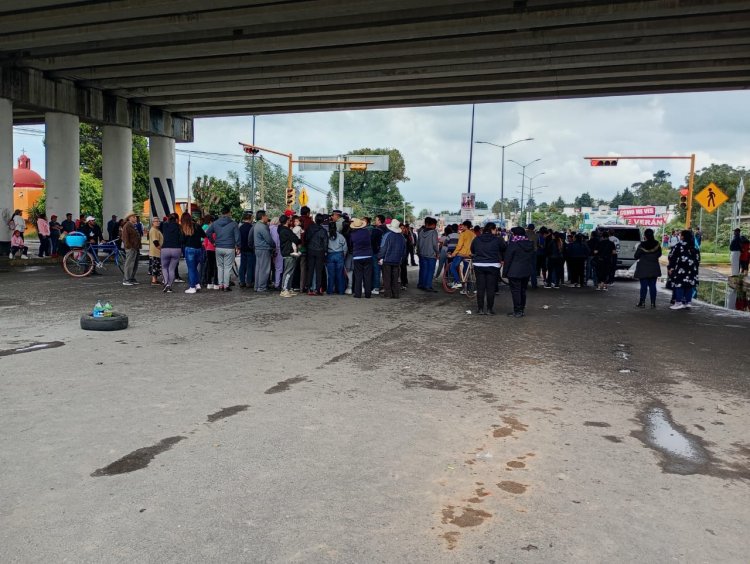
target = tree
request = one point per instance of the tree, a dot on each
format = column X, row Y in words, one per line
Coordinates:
column 584, row 201
column 371, row 192
column 141, row 184
column 424, row 212
column 90, row 194
column 727, row 178
column 496, row 207
column 657, row 191
column 212, row 194
column 557, row 205
column 270, row 181
column 480, row 205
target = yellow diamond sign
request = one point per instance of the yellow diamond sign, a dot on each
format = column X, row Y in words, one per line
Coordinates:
column 711, row 197
column 303, row 197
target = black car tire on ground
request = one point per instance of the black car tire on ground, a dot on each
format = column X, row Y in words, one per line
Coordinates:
column 116, row 322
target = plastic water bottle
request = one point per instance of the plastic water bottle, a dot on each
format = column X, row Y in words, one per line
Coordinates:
column 98, row 310
column 108, row 310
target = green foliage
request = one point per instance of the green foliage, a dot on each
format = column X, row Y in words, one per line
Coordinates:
column 627, row 198
column 141, row 185
column 370, row 193
column 270, row 182
column 91, row 199
column 656, row 192
column 727, row 178
column 584, row 201
column 480, row 205
column 557, row 206
column 212, row 194
column 424, row 212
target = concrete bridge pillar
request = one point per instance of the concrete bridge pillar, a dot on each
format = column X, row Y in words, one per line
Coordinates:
column 117, row 171
column 161, row 172
column 6, row 173
column 62, row 172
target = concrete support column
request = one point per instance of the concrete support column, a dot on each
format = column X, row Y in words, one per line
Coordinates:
column 6, row 173
column 117, row 171
column 62, row 172
column 161, row 173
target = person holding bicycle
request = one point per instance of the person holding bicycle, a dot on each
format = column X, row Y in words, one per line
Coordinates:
column 93, row 234
column 487, row 250
column 462, row 252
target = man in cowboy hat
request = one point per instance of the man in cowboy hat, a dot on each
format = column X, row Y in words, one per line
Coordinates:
column 131, row 240
column 361, row 245
column 392, row 252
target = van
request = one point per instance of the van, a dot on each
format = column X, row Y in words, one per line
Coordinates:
column 630, row 238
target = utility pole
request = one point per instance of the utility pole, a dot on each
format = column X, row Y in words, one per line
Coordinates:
column 523, row 174
column 189, row 206
column 471, row 148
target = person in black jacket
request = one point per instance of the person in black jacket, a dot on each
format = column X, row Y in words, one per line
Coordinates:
column 287, row 242
column 519, row 265
column 487, row 251
column 246, row 272
column 316, row 243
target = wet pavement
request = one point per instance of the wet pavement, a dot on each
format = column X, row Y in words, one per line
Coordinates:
column 246, row 428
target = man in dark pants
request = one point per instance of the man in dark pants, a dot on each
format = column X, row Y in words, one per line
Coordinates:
column 519, row 265
column 361, row 246
column 316, row 243
column 392, row 252
column 487, row 250
column 246, row 272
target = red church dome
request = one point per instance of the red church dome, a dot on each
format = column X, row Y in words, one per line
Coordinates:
column 24, row 177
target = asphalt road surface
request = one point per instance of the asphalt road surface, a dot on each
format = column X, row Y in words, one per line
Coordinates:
column 238, row 427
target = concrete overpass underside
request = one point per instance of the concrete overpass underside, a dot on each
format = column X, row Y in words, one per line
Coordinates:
column 198, row 58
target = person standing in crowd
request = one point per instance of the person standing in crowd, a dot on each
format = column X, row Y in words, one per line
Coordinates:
column 348, row 265
column 603, row 253
column 443, row 253
column 744, row 255
column 131, row 240
column 171, row 248
column 227, row 245
column 155, row 240
column 338, row 219
column 462, row 251
column 113, row 228
column 674, row 238
column 533, row 236
column 288, row 242
column 337, row 250
column 487, row 250
column 246, row 271
column 613, row 268
column 427, row 250
column 519, row 265
column 684, row 261
column 361, row 258
column 68, row 225
column 377, row 232
column 305, row 222
column 276, row 259
column 93, row 234
column 698, row 236
column 577, row 253
column 410, row 242
column 392, row 251
column 264, row 248
column 555, row 261
column 316, row 244
column 648, row 269
column 17, row 245
column 683, row 264
column 43, row 230
column 404, row 267
column 55, row 230
column 735, row 248
column 192, row 240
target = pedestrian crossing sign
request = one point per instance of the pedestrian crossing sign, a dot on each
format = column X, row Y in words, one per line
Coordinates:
column 711, row 197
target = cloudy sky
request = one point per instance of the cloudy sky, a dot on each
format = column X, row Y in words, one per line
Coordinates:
column 435, row 143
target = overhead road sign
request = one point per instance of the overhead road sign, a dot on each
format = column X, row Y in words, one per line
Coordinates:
column 711, row 197
column 376, row 163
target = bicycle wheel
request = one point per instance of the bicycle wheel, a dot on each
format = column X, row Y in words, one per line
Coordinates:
column 120, row 260
column 447, row 279
column 78, row 263
column 470, row 283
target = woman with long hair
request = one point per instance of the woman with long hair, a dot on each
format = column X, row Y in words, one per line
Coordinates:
column 210, row 272
column 648, row 269
column 170, row 250
column 337, row 249
column 155, row 241
column 192, row 236
column 556, row 262
column 684, row 260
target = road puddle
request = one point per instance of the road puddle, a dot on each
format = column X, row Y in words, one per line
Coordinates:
column 226, row 412
column 138, row 459
column 729, row 294
column 32, row 347
column 285, row 385
column 682, row 452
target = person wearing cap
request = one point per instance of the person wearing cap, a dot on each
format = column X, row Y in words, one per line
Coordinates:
column 93, row 234
column 131, row 240
column 518, row 267
column 392, row 252
column 462, row 251
column 361, row 246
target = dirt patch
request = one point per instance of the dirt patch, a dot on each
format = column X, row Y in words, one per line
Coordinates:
column 451, row 538
column 515, row 464
column 512, row 487
column 502, row 432
column 427, row 381
column 226, row 412
column 284, row 385
column 469, row 518
column 596, row 424
column 612, row 438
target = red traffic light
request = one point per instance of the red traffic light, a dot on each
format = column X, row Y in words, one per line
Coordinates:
column 603, row 162
column 251, row 150
column 683, row 191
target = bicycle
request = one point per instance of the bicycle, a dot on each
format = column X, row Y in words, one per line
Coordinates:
column 467, row 278
column 80, row 261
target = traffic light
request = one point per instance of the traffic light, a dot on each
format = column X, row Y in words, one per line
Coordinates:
column 290, row 195
column 603, row 162
column 251, row 150
column 683, row 202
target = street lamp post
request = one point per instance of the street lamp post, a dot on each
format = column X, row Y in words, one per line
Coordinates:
column 531, row 199
column 523, row 177
column 502, row 171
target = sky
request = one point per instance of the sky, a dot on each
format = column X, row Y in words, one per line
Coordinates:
column 435, row 143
